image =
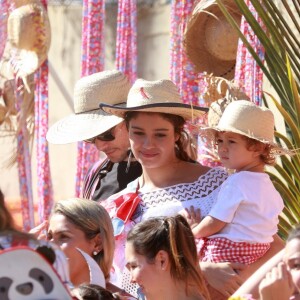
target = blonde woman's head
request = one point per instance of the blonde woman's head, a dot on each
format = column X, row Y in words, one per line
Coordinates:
column 92, row 219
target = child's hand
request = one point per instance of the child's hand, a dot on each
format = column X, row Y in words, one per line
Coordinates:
column 192, row 215
column 277, row 284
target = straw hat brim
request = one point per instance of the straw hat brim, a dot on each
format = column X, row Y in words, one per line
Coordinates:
column 80, row 127
column 184, row 110
column 209, row 133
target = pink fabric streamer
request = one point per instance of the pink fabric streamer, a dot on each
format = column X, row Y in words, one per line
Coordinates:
column 181, row 71
column 44, row 182
column 126, row 48
column 92, row 61
column 248, row 74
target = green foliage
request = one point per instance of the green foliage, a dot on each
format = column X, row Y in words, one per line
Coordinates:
column 282, row 69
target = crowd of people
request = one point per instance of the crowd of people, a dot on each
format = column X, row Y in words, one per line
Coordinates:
column 152, row 222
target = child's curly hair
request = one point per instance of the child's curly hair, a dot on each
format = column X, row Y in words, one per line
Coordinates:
column 267, row 156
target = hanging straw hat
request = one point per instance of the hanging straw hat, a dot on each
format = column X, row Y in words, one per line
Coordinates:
column 28, row 39
column 89, row 120
column 230, row 92
column 248, row 119
column 210, row 41
column 159, row 96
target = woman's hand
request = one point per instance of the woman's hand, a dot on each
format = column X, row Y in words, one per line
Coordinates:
column 223, row 277
column 40, row 231
column 277, row 284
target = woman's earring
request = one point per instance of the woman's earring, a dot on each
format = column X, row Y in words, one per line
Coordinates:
column 95, row 253
column 129, row 160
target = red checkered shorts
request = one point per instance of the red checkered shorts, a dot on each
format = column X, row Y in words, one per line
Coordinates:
column 224, row 250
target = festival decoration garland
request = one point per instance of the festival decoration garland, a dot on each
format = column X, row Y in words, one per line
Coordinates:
column 181, row 71
column 44, row 182
column 248, row 74
column 126, row 48
column 92, row 61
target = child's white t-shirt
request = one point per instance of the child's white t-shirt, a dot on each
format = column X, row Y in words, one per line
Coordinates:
column 250, row 204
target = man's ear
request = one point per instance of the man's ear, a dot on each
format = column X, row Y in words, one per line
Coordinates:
column 162, row 260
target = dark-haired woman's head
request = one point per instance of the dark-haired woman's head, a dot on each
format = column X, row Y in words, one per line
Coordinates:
column 160, row 247
column 158, row 133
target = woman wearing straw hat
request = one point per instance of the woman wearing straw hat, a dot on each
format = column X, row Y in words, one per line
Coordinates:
column 107, row 132
column 155, row 117
column 241, row 224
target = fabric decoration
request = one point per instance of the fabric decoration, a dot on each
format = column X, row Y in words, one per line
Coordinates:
column 44, row 182
column 125, row 208
column 122, row 208
column 126, row 45
column 181, row 70
column 92, row 61
column 247, row 73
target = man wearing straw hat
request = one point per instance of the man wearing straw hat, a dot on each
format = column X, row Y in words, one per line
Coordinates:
column 109, row 133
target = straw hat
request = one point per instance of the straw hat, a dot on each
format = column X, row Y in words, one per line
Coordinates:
column 248, row 119
column 28, row 37
column 89, row 120
column 159, row 96
column 210, row 41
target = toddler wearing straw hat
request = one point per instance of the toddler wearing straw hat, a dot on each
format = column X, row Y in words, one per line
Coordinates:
column 240, row 225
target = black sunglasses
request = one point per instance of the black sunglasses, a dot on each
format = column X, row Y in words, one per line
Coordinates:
column 106, row 136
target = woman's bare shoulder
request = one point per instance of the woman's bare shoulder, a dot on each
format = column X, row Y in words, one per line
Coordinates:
column 194, row 170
